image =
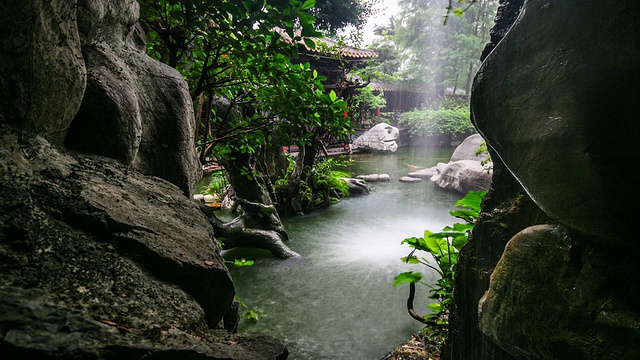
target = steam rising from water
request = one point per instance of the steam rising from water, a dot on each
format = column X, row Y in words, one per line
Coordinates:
column 337, row 302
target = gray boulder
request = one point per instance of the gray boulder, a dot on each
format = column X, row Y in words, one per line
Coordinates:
column 135, row 109
column 550, row 298
column 381, row 137
column 100, row 261
column 553, row 136
column 467, row 149
column 463, row 176
column 409, row 179
column 464, row 172
column 43, row 74
column 428, row 173
column 357, row 186
column 369, row 177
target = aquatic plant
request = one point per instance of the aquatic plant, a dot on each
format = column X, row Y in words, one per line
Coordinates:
column 444, row 247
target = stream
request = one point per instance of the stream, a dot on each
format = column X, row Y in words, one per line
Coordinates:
column 337, row 301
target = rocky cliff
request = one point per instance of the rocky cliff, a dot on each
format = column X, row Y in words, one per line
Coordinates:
column 549, row 272
column 102, row 254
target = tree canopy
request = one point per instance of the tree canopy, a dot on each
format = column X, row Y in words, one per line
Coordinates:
column 434, row 44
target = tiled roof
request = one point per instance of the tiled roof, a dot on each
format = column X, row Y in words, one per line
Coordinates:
column 348, row 52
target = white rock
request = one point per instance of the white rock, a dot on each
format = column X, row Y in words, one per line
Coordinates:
column 463, row 176
column 369, row 178
column 468, row 148
column 409, row 179
column 380, row 137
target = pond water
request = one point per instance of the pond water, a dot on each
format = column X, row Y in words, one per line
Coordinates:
column 337, row 301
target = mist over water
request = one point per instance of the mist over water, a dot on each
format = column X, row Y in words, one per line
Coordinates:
column 337, row 301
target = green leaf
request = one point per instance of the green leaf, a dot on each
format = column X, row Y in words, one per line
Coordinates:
column 410, row 260
column 306, row 20
column 407, row 277
column 435, row 307
column 308, row 4
column 243, row 262
column 472, row 200
column 436, row 246
column 310, row 44
column 460, row 241
column 469, row 216
column 333, row 96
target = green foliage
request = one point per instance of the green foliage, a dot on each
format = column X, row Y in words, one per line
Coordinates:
column 333, row 15
column 217, row 185
column 431, row 56
column 365, row 101
column 242, row 262
column 482, row 149
column 323, row 185
column 231, row 50
column 252, row 314
column 442, row 121
column 444, row 247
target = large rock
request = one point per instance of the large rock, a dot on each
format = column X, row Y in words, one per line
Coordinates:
column 466, row 171
column 468, row 148
column 135, row 109
column 567, row 122
column 100, row 261
column 562, row 292
column 381, row 137
column 463, row 176
column 581, row 311
column 43, row 75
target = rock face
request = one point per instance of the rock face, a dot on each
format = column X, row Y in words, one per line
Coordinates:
column 99, row 261
column 381, row 137
column 43, row 75
column 578, row 313
column 78, row 74
column 566, row 111
column 564, row 285
column 135, row 109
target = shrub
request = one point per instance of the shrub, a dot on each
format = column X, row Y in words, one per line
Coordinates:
column 442, row 121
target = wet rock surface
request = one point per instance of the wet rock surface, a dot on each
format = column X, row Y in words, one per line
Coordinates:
column 100, row 261
column 552, row 245
column 568, row 67
column 43, row 74
column 581, row 310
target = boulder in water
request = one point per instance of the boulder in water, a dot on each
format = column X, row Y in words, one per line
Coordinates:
column 381, row 137
column 464, row 172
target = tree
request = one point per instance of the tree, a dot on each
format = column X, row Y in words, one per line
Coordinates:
column 333, row 15
column 436, row 50
column 247, row 93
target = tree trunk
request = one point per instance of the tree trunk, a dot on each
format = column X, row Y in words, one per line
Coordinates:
column 259, row 225
column 293, row 188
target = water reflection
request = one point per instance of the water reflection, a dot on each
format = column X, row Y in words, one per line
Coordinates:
column 337, row 301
